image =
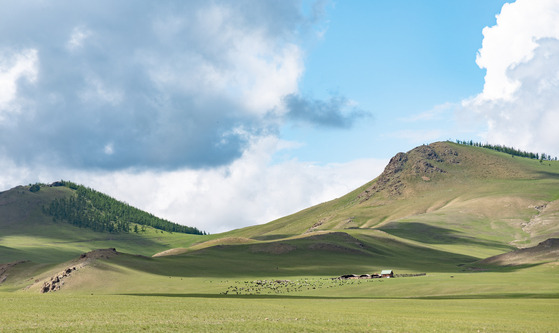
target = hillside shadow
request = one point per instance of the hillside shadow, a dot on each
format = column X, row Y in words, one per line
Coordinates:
column 234, row 261
column 547, row 174
column 45, row 255
column 428, row 234
column 271, row 237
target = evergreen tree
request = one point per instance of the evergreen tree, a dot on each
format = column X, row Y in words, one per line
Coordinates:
column 90, row 209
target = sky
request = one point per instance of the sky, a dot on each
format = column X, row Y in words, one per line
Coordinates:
column 225, row 114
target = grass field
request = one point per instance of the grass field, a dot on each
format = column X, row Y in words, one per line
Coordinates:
column 116, row 313
column 119, row 295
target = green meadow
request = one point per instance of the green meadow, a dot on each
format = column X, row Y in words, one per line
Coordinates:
column 163, row 313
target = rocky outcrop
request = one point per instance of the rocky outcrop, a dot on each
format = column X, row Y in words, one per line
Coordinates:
column 420, row 162
column 58, row 280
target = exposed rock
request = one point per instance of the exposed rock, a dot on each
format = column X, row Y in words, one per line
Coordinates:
column 423, row 167
column 419, row 163
column 58, row 280
column 317, row 224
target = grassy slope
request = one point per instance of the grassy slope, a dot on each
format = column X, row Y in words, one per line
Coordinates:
column 477, row 208
column 27, row 234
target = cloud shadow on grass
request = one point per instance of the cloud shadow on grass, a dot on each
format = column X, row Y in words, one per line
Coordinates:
column 428, row 234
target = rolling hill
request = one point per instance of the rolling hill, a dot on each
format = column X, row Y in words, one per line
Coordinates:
column 443, row 197
column 442, row 207
column 29, row 232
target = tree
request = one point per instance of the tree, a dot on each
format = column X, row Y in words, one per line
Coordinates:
column 35, row 188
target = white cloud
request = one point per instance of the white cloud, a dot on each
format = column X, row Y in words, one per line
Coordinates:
column 15, row 66
column 250, row 191
column 520, row 100
column 77, row 38
column 96, row 91
column 163, row 81
column 171, row 106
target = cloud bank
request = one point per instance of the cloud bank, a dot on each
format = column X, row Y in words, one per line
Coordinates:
column 171, row 106
column 251, row 190
column 166, row 84
column 520, row 98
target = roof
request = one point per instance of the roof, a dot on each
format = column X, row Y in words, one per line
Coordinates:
column 386, row 271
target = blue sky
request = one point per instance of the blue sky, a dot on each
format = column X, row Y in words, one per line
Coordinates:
column 223, row 114
column 396, row 59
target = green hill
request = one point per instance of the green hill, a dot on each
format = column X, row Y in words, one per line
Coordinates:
column 28, row 231
column 442, row 208
column 444, row 198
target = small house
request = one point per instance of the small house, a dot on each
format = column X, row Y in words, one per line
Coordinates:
column 387, row 273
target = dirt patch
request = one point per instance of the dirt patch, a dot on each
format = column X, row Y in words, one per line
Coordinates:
column 273, row 248
column 340, row 242
column 171, row 252
column 99, row 254
column 317, row 224
column 333, row 248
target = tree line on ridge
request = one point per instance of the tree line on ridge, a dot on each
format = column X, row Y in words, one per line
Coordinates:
column 509, row 150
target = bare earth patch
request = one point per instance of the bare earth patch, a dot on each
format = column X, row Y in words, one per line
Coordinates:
column 272, row 248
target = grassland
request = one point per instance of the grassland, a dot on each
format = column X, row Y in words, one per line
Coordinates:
column 115, row 313
column 439, row 223
column 121, row 294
